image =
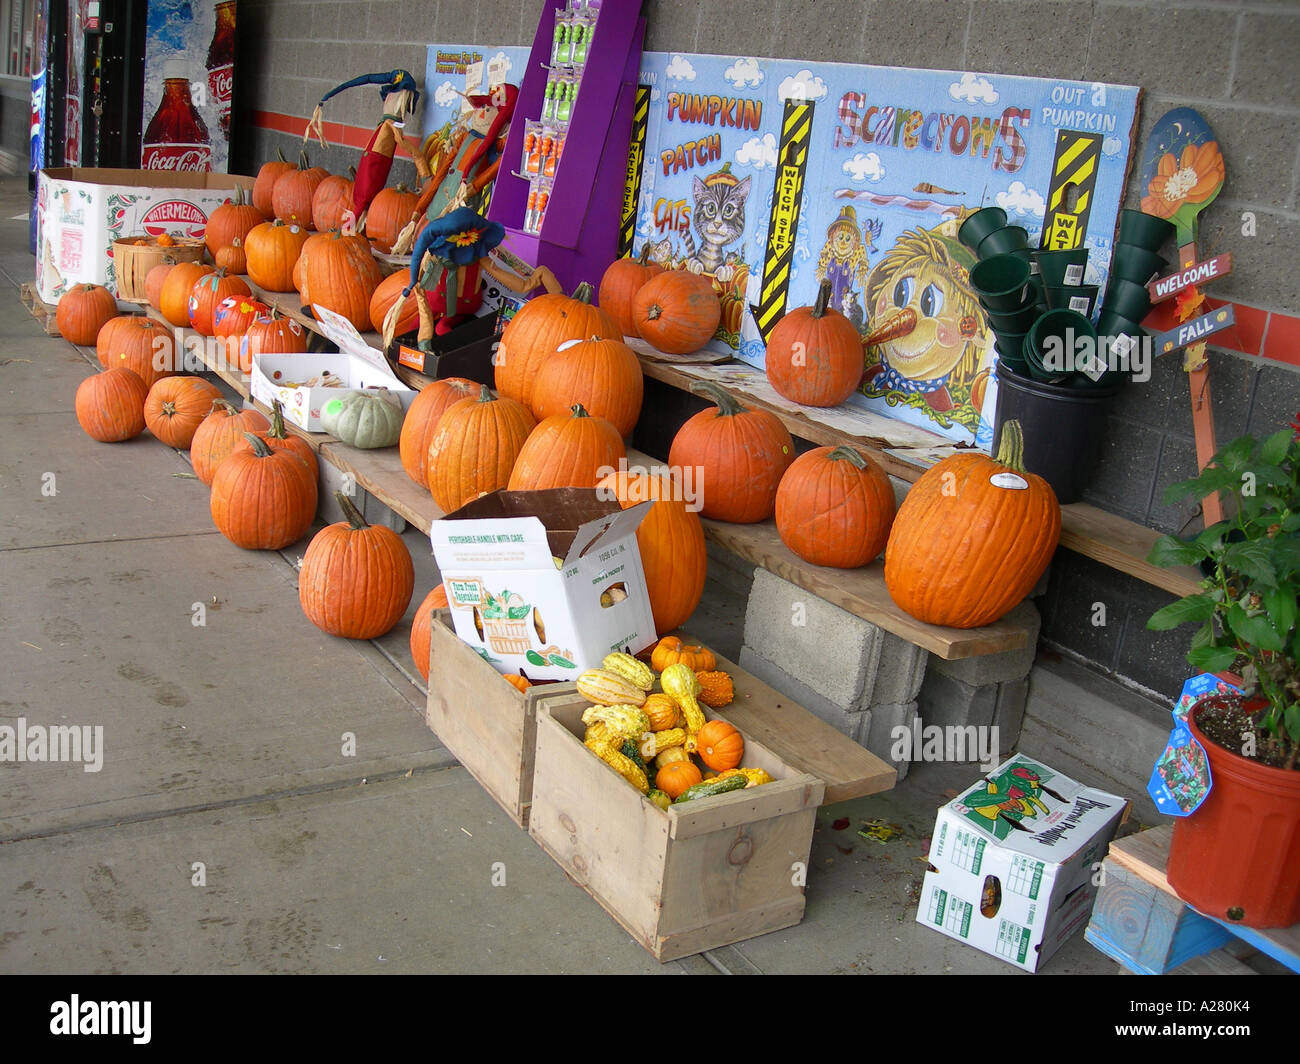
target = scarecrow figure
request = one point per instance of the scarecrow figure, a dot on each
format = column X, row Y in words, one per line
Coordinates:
column 843, row 261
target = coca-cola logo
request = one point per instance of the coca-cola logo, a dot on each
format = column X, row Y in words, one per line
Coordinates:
column 222, row 83
column 171, row 215
column 177, row 157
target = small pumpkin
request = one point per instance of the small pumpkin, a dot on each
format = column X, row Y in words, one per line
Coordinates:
column 174, row 299
column 662, row 711
column 677, row 777
column 231, row 221
column 814, row 354
column 671, row 650
column 272, row 249
column 330, row 202
column 622, row 280
column 215, row 439
column 264, row 184
column 232, row 258
column 677, row 312
column 153, row 282
column 271, row 335
column 356, row 579
column 421, row 628
column 716, row 688
column 721, row 746
column 388, row 215
column 421, row 423
column 83, row 310
column 366, row 420
column 110, row 405
column 834, row 507
column 388, row 292
column 207, row 294
column 292, row 195
column 262, row 499
column 570, row 451
column 519, row 683
column 175, row 408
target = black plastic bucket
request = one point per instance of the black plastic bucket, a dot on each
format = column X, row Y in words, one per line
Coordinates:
column 1063, row 429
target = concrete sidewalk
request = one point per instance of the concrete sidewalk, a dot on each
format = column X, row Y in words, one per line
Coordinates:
column 228, row 830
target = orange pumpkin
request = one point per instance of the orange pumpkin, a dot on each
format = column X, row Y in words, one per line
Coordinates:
column 388, row 293
column 207, row 294
column 153, row 282
column 230, row 222
column 174, row 299
column 620, row 284
column 262, row 499
column 291, row 197
column 720, row 745
column 603, row 375
column 533, row 334
column 475, row 447
column 110, row 405
column 972, row 537
column 232, row 257
column 271, row 335
column 670, row 540
column 676, row 312
column 567, row 451
column 662, row 712
column 215, row 439
column 676, row 778
column 272, row 248
column 388, row 214
column 330, row 202
column 139, row 344
column 835, row 507
column 340, row 274
column 264, row 185
column 83, row 310
column 670, row 650
column 421, row 628
column 814, row 354
column 421, row 423
column 278, row 438
column 176, row 407
column 740, row 456
column 519, row 683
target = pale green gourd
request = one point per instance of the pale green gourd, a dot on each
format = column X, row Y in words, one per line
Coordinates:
column 367, row 420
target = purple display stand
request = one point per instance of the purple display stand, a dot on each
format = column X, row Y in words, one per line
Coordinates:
column 579, row 236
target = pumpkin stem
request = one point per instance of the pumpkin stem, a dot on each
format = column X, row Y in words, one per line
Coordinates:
column 352, row 173
column 303, row 164
column 485, row 395
column 169, row 409
column 221, row 404
column 823, row 300
column 849, row 455
column 654, row 311
column 578, row 410
column 277, row 421
column 644, row 258
column 280, row 153
column 351, row 512
column 583, row 292
column 258, row 444
column 1011, row 447
column 727, row 405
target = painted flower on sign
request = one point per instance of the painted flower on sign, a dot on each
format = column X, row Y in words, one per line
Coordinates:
column 1194, row 177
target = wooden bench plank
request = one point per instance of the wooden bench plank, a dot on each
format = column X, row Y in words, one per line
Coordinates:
column 381, row 474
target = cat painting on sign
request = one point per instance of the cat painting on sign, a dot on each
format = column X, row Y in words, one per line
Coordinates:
column 718, row 217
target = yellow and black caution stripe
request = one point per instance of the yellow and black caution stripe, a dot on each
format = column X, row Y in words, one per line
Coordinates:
column 635, row 163
column 1069, row 200
column 783, row 225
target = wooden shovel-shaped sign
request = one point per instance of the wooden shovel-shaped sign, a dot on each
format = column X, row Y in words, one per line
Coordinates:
column 1182, row 173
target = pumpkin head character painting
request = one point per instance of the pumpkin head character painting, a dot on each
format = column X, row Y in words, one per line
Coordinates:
column 928, row 335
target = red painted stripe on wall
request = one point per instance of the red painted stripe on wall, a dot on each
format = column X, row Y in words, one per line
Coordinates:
column 335, row 132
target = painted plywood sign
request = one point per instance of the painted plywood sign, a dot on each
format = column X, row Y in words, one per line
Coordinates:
column 771, row 176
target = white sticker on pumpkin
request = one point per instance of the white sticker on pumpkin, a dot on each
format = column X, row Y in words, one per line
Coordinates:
column 1009, row 480
column 569, row 343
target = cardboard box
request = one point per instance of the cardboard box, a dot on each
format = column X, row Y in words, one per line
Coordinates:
column 357, row 365
column 80, row 211
column 517, row 607
column 1013, row 861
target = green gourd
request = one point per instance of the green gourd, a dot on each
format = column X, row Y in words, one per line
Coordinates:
column 709, row 788
column 368, row 420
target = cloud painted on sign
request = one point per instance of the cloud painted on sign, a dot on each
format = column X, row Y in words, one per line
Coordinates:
column 973, row 89
column 680, row 69
column 865, row 167
column 743, row 73
column 445, row 95
column 1020, row 199
column 503, row 59
column 803, row 87
column 758, row 152
column 1111, row 146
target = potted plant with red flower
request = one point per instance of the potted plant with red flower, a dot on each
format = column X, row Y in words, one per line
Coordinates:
column 1237, row 856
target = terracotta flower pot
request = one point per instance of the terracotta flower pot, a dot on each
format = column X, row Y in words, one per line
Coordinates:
column 1236, row 858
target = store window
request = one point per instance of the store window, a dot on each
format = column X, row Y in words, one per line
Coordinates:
column 16, row 18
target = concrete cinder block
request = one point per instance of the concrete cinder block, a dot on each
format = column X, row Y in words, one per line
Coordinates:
column 374, row 511
column 880, row 740
column 1130, row 45
column 1009, row 712
column 828, row 649
column 1270, row 76
column 900, row 672
column 729, row 570
column 945, row 700
column 995, row 668
column 855, row 724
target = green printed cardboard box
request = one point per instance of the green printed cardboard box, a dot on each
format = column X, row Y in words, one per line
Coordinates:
column 1014, row 861
column 545, row 582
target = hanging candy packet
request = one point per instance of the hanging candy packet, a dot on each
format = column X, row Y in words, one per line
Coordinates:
column 1180, row 780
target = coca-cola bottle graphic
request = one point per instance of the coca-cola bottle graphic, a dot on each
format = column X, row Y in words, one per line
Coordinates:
column 176, row 138
column 221, row 64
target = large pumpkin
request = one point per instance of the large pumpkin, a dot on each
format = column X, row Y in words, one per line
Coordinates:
column 739, row 456
column 278, row 438
column 272, row 248
column 388, row 214
column 206, row 296
column 83, row 310
column 540, row 326
column 174, row 300
column 264, row 185
column 356, row 579
column 671, row 542
column 835, row 507
column 110, row 405
column 140, row 344
column 571, row 450
column 972, row 537
column 603, row 375
column 291, row 197
column 814, row 354
column 475, row 447
column 340, row 274
column 232, row 221
column 421, row 628
column 216, row 437
column 263, row 499
column 389, row 292
column 421, row 423
column 176, row 407
column 676, row 312
column 620, row 284
column 331, row 200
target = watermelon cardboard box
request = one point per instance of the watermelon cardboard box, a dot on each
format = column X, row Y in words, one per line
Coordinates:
column 80, row 211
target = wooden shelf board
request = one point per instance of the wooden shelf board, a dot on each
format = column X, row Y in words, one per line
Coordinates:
column 381, row 474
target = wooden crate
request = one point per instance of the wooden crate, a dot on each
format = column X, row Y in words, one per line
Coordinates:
column 41, row 311
column 699, row 876
column 488, row 725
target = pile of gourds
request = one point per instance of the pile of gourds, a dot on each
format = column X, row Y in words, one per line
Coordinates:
column 639, row 723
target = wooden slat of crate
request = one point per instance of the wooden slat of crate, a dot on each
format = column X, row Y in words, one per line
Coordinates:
column 679, row 881
column 41, row 311
column 489, row 726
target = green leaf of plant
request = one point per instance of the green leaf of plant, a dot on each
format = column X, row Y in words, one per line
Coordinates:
column 1281, row 607
column 1212, row 659
column 1254, row 631
column 1235, row 455
column 1211, row 537
column 1274, row 449
column 1204, row 636
column 1292, row 720
column 1169, row 550
column 1191, row 608
column 1211, row 480
column 1252, row 559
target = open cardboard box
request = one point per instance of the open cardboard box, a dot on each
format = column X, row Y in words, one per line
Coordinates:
column 545, row 582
